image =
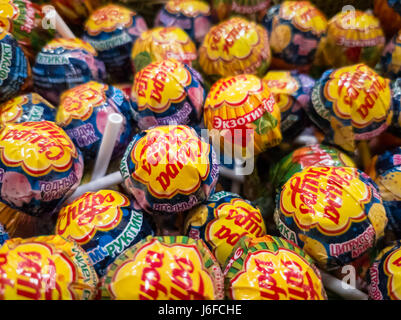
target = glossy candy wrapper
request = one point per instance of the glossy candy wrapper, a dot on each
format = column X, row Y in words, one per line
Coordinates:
column 27, row 107
column 291, row 91
column 222, row 221
column 83, row 113
column 262, row 269
column 295, row 29
column 390, row 61
column 104, row 224
column 385, row 274
column 335, row 214
column 235, row 46
column 169, row 169
column 315, row 155
column 250, row 9
column 3, row 235
column 15, row 70
column 40, row 167
column 112, row 30
column 162, row 43
column 28, row 266
column 168, row 92
column 351, row 103
column 63, row 64
column 164, row 268
column 389, row 14
column 193, row 16
column 242, row 109
column 352, row 37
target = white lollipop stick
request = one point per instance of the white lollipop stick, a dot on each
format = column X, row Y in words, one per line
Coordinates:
column 110, row 135
column 59, row 24
column 342, row 288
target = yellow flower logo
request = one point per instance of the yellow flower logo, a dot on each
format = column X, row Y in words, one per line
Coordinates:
column 392, row 267
column 70, row 44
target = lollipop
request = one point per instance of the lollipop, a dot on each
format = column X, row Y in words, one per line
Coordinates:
column 164, row 268
column 391, row 57
column 295, row 29
column 222, row 221
column 63, row 64
column 162, row 43
column 15, row 71
column 46, row 268
column 40, row 167
column 242, row 109
column 389, row 14
column 190, row 15
column 168, row 92
column 112, row 30
column 3, row 235
column 352, row 37
column 335, row 214
column 233, row 47
column 250, row 9
column 265, row 268
column 169, row 169
column 104, row 224
column 291, row 91
column 27, row 107
column 83, row 113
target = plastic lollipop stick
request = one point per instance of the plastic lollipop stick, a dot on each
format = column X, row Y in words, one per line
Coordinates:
column 110, row 135
column 61, row 27
column 342, row 288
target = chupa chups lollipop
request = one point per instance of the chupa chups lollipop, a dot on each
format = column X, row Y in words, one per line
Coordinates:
column 63, row 64
column 27, row 107
column 112, row 30
column 352, row 37
column 242, row 109
column 39, row 168
column 83, row 114
column 389, row 14
column 250, row 9
column 15, row 71
column 351, row 104
column 295, row 29
column 3, row 235
column 222, row 221
column 235, row 46
column 192, row 16
column 314, row 155
column 168, row 92
column 335, row 214
column 271, row 268
column 169, row 169
column 46, row 268
column 104, row 223
column 164, row 268
column 390, row 61
column 385, row 274
column 291, row 91
column 162, row 43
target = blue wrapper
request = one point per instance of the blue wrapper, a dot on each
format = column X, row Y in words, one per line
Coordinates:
column 63, row 64
column 3, row 235
column 104, row 224
column 83, row 113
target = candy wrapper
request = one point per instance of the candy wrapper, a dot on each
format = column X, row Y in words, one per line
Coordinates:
column 104, row 224
column 241, row 111
column 315, row 155
column 350, row 104
column 169, row 169
column 3, row 235
column 162, row 43
column 39, row 167
column 190, row 15
column 389, row 14
column 384, row 274
column 165, row 268
column 63, row 64
column 233, row 47
column 291, row 91
column 15, row 71
column 250, row 9
column 295, row 29
column 83, row 113
column 27, row 107
column 335, row 214
column 265, row 268
column 168, row 92
column 391, row 58
column 46, row 268
column 352, row 37
column 222, row 221
column 112, row 30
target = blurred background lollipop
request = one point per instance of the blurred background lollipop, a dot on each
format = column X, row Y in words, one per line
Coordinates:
column 389, row 14
column 390, row 61
column 251, row 9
